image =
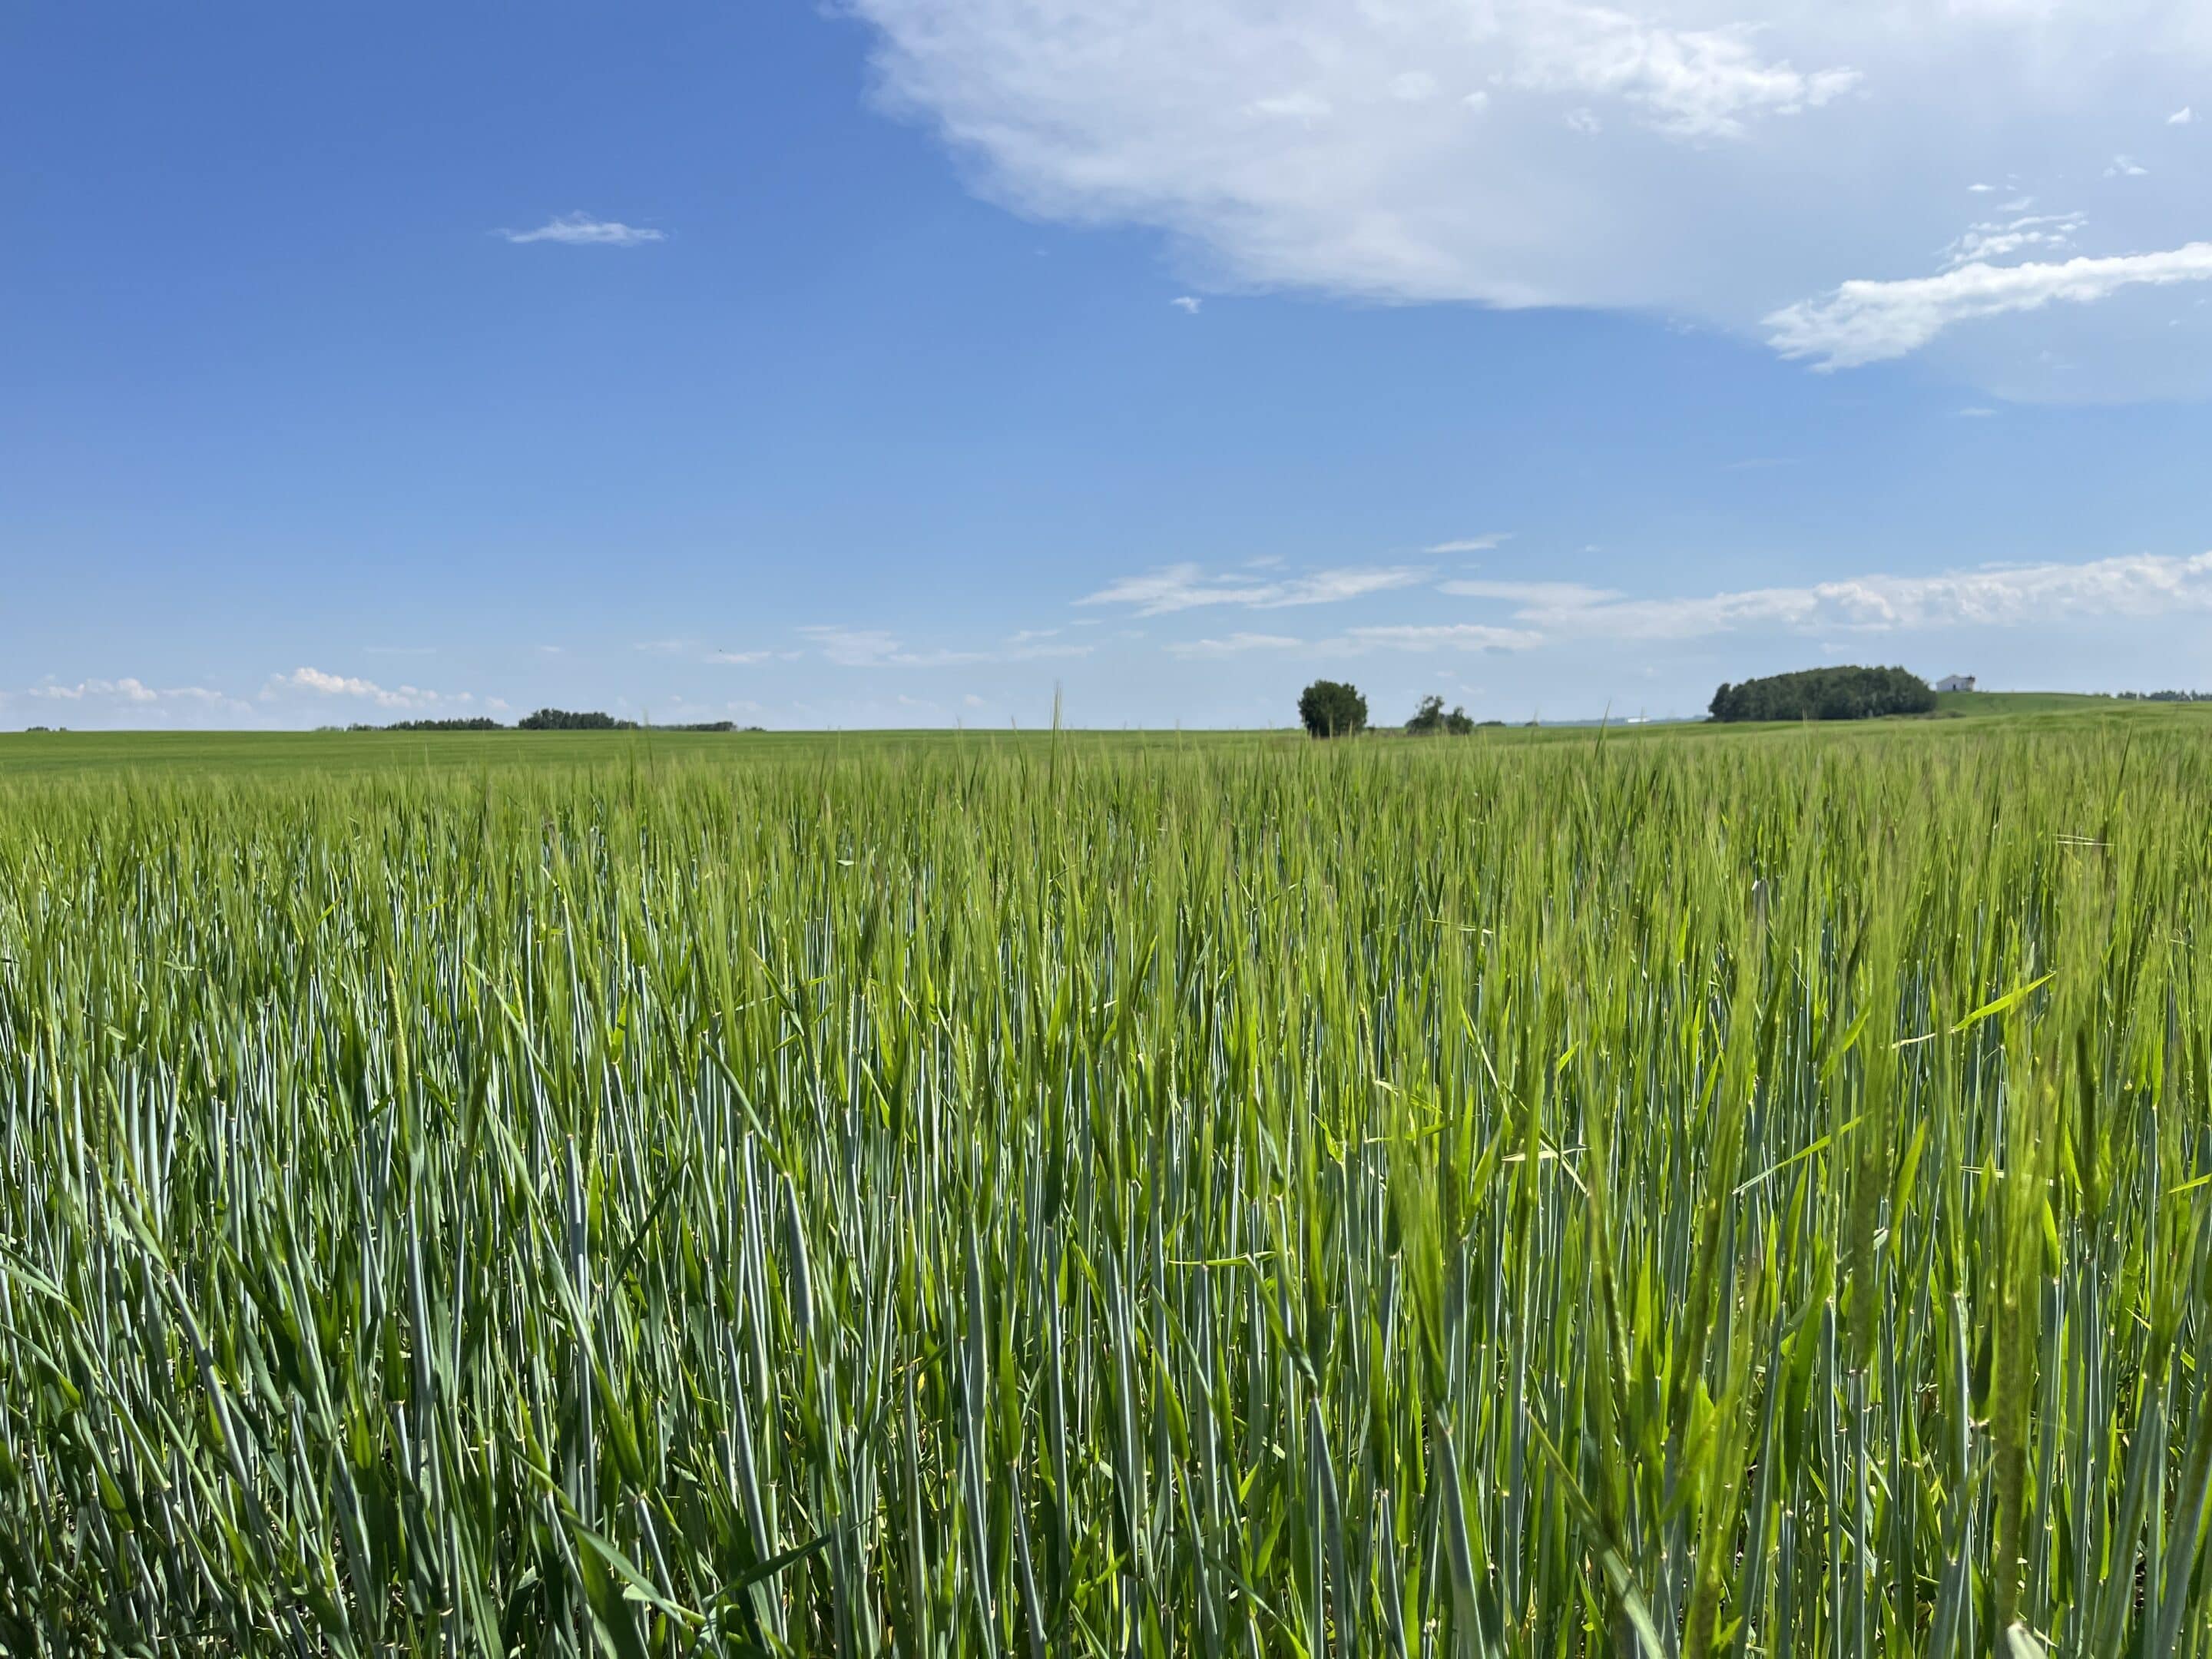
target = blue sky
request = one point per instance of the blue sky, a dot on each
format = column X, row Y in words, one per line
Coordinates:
column 893, row 363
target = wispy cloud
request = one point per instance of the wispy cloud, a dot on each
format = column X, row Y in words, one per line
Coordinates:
column 876, row 647
column 1867, row 322
column 2182, row 117
column 1417, row 637
column 1187, row 587
column 1442, row 636
column 1188, row 303
column 1487, row 542
column 2126, row 167
column 2000, row 239
column 2132, row 586
column 1234, row 645
column 581, row 230
column 1541, row 593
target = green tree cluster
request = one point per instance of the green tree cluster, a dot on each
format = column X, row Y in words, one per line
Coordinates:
column 1331, row 709
column 563, row 719
column 1825, row 694
column 475, row 723
column 1429, row 719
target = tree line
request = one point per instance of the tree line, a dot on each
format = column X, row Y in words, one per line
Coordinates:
column 549, row 719
column 1825, row 694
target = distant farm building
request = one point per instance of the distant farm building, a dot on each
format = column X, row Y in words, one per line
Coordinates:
column 1955, row 683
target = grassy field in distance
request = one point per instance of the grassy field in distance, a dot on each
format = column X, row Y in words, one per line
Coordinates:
column 1660, row 1194
column 25, row 754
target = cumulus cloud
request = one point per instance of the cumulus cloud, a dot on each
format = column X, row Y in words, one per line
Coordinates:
column 316, row 683
column 581, row 230
column 128, row 689
column 1690, row 84
column 1735, row 155
column 1188, row 303
column 2182, row 117
column 1187, row 586
column 1866, row 322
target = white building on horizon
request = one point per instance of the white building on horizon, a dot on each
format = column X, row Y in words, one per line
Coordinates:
column 1955, row 683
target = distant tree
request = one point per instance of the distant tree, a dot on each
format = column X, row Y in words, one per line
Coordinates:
column 1429, row 719
column 1825, row 694
column 1330, row 708
column 475, row 723
column 563, row 719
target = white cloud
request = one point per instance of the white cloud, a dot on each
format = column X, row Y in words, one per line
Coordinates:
column 581, row 230
column 1754, row 151
column 876, row 647
column 1532, row 594
column 123, row 703
column 1998, row 239
column 2182, row 117
column 1234, row 645
column 1444, row 637
column 738, row 657
column 1691, row 84
column 2125, row 167
column 1186, row 587
column 127, row 689
column 315, row 682
column 1293, row 105
column 2145, row 585
column 1188, row 302
column 1866, row 322
column 1483, row 543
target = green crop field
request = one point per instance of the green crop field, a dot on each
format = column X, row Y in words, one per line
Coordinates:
column 1681, row 1192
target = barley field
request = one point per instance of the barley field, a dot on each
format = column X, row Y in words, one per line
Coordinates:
column 1741, row 1195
